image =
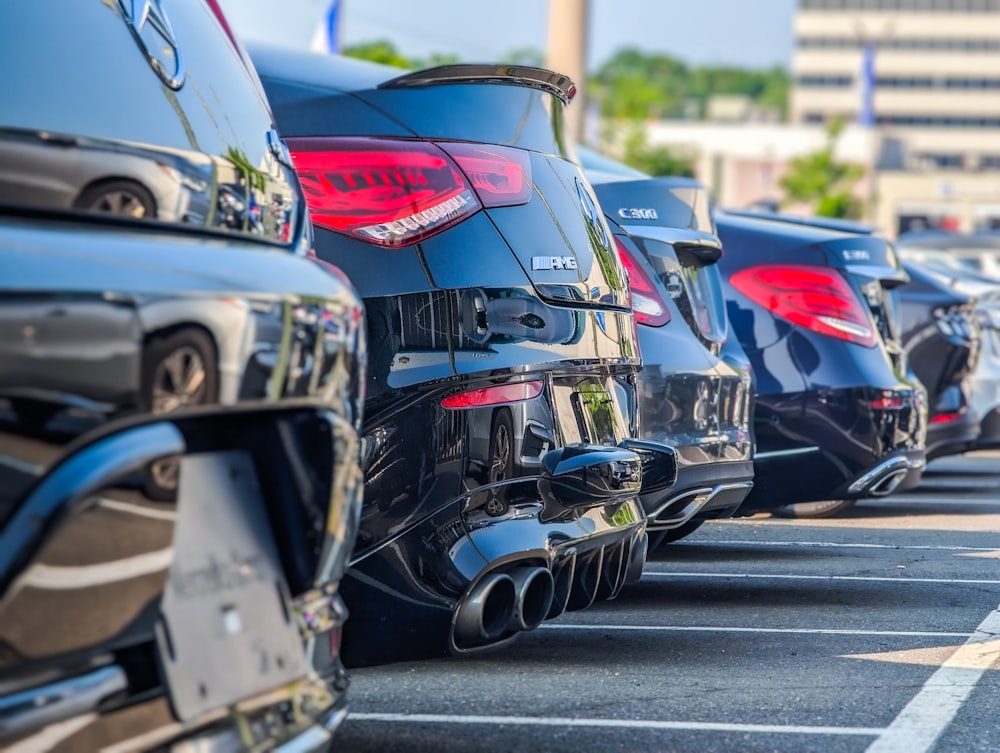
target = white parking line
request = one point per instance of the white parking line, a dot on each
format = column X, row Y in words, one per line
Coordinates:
column 132, row 509
column 661, row 575
column 924, row 718
column 535, row 721
column 837, row 545
column 727, row 629
column 22, row 466
column 60, row 578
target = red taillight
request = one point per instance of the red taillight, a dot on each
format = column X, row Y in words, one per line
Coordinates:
column 500, row 175
column 398, row 192
column 648, row 305
column 816, row 298
column 391, row 193
column 498, row 395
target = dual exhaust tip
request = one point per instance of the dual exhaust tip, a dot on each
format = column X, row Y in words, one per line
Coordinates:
column 504, row 603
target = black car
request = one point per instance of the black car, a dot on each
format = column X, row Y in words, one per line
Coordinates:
column 695, row 391
column 180, row 397
column 501, row 487
column 942, row 340
column 837, row 416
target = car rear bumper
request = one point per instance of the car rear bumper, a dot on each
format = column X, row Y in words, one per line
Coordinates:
column 953, row 437
column 712, row 490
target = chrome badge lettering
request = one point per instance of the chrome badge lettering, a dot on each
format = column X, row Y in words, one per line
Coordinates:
column 152, row 31
column 553, row 262
column 856, row 254
column 627, row 213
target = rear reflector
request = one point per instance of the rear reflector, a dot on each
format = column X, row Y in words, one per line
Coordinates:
column 816, row 298
column 395, row 192
column 335, row 637
column 946, row 418
column 888, row 401
column 498, row 395
column 648, row 305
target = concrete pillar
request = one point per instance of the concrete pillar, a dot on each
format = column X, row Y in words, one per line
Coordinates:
column 567, row 53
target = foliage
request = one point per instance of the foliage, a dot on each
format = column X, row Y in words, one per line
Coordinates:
column 653, row 160
column 818, row 178
column 380, row 51
column 635, row 84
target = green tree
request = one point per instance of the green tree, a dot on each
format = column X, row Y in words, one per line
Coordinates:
column 380, row 51
column 635, row 84
column 820, row 179
column 653, row 160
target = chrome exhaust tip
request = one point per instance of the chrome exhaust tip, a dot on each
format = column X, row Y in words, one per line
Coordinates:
column 534, row 591
column 887, row 485
column 483, row 615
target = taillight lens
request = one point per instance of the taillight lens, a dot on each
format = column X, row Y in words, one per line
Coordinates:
column 500, row 175
column 398, row 192
column 648, row 305
column 498, row 395
column 816, row 298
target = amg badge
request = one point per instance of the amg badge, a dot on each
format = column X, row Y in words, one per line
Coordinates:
column 553, row 262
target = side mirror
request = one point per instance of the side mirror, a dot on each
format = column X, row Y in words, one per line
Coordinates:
column 587, row 475
column 659, row 464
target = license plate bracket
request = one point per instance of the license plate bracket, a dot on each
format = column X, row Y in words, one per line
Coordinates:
column 225, row 631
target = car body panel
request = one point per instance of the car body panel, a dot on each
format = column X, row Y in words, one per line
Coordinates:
column 818, row 432
column 181, row 396
column 690, row 397
column 454, row 499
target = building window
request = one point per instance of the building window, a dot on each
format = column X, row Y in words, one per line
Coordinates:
column 924, row 44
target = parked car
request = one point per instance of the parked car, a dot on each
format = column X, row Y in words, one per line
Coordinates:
column 973, row 252
column 941, row 337
column 501, row 483
column 695, row 391
column 984, row 381
column 836, row 417
column 180, row 401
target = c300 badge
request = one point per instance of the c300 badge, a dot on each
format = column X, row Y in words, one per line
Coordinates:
column 152, row 31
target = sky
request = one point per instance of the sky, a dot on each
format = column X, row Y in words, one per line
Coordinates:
column 746, row 33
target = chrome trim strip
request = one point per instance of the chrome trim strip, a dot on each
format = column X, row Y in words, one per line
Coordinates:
column 33, row 709
column 785, row 453
column 885, row 468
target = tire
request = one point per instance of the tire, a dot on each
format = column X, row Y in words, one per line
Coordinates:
column 657, row 538
column 179, row 370
column 501, row 466
column 122, row 197
column 828, row 508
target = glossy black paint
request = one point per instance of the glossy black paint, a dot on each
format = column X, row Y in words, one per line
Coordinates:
column 165, row 346
column 819, row 434
column 456, row 500
column 942, row 341
column 695, row 392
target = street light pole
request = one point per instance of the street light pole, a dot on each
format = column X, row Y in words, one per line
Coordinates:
column 567, row 53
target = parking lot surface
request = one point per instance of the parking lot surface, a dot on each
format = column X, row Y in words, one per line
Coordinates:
column 874, row 631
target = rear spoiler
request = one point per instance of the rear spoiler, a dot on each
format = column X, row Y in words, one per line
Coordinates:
column 520, row 75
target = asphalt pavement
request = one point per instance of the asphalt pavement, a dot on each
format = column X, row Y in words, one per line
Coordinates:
column 873, row 631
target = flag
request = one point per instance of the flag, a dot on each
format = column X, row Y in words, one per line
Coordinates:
column 866, row 113
column 326, row 39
